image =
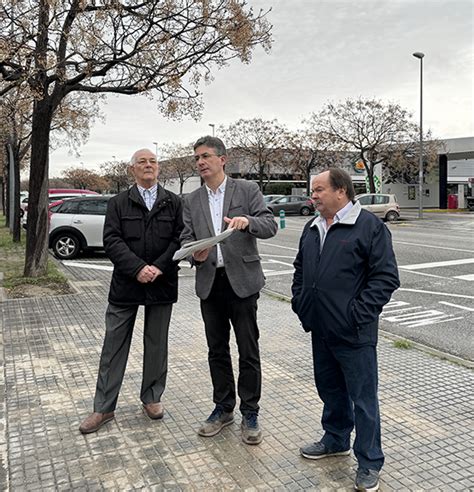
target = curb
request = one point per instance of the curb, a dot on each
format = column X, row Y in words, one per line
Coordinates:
column 390, row 336
column 3, row 294
column 4, row 477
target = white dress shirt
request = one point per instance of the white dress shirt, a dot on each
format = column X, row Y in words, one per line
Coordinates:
column 216, row 205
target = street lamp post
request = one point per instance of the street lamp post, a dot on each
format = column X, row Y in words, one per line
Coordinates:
column 420, row 56
column 212, row 125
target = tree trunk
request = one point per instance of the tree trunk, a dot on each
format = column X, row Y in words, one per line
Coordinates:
column 2, row 181
column 6, row 175
column 16, row 229
column 36, row 259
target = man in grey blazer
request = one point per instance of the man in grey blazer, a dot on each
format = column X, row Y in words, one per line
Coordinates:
column 229, row 278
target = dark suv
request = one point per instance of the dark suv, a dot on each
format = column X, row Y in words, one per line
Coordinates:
column 77, row 224
column 295, row 204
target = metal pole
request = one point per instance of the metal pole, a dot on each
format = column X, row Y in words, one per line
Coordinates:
column 420, row 56
column 420, row 170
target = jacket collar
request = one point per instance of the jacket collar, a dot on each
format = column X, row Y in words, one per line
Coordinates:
column 349, row 219
column 161, row 195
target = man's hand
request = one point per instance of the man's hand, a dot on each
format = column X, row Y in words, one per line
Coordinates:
column 156, row 272
column 148, row 274
column 201, row 255
column 240, row 223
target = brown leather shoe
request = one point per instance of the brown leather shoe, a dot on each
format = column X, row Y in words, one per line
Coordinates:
column 154, row 410
column 95, row 421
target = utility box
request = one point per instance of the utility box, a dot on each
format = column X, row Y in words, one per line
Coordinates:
column 452, row 201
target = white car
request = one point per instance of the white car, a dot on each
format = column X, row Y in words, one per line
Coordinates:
column 382, row 205
column 77, row 224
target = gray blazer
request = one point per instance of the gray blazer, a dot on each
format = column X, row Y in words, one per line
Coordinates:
column 241, row 258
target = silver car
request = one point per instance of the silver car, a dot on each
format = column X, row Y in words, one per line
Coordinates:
column 382, row 205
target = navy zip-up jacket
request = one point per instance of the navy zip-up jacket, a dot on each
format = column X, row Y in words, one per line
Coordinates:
column 339, row 291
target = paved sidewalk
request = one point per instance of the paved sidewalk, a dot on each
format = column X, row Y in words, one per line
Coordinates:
column 51, row 349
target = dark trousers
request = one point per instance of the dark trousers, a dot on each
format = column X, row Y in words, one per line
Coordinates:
column 346, row 380
column 219, row 310
column 119, row 323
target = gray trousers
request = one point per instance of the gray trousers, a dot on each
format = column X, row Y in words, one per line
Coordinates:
column 119, row 323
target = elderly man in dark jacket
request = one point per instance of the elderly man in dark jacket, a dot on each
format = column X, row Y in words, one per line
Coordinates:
column 345, row 272
column 141, row 234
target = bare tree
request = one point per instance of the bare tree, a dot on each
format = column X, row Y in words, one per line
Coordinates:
column 178, row 163
column 85, row 179
column 402, row 161
column 118, row 174
column 70, row 126
column 375, row 132
column 15, row 135
column 311, row 150
column 260, row 141
column 161, row 47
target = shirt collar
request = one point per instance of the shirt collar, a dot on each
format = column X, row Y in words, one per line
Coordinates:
column 152, row 190
column 220, row 189
column 340, row 214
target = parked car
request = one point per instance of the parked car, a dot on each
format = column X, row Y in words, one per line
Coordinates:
column 77, row 224
column 296, row 204
column 382, row 205
column 55, row 194
column 269, row 198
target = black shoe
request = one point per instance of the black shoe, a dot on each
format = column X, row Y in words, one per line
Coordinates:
column 215, row 422
column 318, row 450
column 251, row 432
column 367, row 480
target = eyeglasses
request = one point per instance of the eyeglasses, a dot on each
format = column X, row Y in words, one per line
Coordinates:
column 205, row 156
column 143, row 161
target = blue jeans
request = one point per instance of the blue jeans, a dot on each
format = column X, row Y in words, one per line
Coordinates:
column 346, row 380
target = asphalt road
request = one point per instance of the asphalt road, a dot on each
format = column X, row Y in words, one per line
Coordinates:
column 434, row 305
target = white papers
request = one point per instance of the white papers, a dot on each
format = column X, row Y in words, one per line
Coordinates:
column 190, row 248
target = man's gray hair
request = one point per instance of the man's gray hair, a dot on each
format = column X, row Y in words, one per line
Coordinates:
column 213, row 142
column 134, row 156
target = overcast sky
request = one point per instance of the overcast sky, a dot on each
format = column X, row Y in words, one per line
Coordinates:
column 323, row 50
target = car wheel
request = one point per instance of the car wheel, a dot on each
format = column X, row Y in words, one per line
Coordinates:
column 305, row 211
column 391, row 216
column 66, row 246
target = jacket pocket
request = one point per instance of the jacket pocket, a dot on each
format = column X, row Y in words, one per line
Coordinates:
column 250, row 258
column 132, row 227
column 165, row 227
column 235, row 211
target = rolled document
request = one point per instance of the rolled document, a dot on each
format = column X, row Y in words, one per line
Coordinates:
column 190, row 248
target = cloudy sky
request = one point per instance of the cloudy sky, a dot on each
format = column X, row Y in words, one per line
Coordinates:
column 323, row 50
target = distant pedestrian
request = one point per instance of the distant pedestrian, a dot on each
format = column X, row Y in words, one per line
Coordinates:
column 229, row 278
column 141, row 234
column 345, row 272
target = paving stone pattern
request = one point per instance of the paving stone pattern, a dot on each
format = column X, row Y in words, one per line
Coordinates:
column 51, row 353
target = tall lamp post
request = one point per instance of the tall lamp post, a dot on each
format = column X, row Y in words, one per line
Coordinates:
column 420, row 56
column 212, row 125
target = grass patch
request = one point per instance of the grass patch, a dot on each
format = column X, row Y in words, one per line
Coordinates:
column 12, row 263
column 402, row 344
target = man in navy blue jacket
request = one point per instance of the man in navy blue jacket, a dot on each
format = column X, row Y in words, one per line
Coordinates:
column 345, row 272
